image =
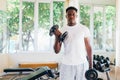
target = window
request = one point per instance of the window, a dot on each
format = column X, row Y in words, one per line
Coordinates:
column 43, row 28
column 99, row 28
column 110, row 28
column 103, row 26
column 3, row 31
column 58, row 13
column 33, row 34
column 28, row 26
column 38, row 17
column 85, row 15
column 12, row 26
column 36, row 33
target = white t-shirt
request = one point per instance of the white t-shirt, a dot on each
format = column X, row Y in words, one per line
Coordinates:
column 74, row 46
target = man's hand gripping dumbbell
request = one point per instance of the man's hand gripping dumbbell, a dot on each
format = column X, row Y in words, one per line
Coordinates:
column 54, row 30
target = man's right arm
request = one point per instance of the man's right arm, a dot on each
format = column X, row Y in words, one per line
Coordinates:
column 58, row 43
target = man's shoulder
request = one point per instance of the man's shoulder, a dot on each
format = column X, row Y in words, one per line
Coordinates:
column 83, row 26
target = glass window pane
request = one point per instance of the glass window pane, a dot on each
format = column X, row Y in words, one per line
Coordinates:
column 85, row 15
column 13, row 25
column 98, row 29
column 3, row 31
column 104, row 28
column 58, row 13
column 28, row 26
column 43, row 28
column 110, row 28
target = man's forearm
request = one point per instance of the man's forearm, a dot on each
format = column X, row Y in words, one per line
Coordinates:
column 89, row 52
column 57, row 45
column 90, row 62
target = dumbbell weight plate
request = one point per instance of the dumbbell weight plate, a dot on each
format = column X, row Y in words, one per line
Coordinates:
column 62, row 37
column 54, row 27
column 91, row 74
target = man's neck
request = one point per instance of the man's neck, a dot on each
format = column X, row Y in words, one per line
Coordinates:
column 71, row 24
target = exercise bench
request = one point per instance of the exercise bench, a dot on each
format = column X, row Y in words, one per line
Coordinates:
column 17, row 72
column 38, row 74
column 20, row 70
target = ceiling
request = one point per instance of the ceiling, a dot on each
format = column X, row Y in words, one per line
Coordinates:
column 94, row 2
column 99, row 2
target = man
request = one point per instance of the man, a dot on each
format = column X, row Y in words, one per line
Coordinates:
column 77, row 49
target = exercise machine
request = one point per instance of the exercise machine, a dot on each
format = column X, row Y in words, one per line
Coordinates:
column 33, row 73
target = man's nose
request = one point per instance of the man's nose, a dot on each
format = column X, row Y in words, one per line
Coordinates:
column 71, row 16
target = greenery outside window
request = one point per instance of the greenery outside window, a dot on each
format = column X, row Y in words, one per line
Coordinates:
column 103, row 26
column 28, row 26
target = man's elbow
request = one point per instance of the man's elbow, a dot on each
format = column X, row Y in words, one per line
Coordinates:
column 56, row 51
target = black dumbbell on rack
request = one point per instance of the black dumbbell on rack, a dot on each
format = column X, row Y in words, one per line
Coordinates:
column 107, row 62
column 101, row 66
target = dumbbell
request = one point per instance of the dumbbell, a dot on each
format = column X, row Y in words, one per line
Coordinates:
column 91, row 74
column 94, row 64
column 52, row 29
column 100, row 58
column 101, row 66
column 97, row 57
column 94, row 57
column 62, row 36
column 107, row 62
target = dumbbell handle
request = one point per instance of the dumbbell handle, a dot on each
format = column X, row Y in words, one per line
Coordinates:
column 57, row 33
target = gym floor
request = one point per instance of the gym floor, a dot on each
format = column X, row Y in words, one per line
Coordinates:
column 117, row 73
column 113, row 74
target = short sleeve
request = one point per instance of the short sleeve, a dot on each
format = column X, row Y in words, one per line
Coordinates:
column 62, row 29
column 87, row 32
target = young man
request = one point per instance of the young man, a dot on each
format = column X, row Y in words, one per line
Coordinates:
column 77, row 57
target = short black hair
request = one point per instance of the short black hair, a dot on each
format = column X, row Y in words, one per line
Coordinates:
column 71, row 7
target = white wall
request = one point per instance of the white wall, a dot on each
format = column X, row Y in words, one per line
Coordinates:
column 3, row 61
column 3, row 5
column 118, row 33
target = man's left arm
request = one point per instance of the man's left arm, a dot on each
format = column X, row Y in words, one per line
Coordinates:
column 89, row 51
